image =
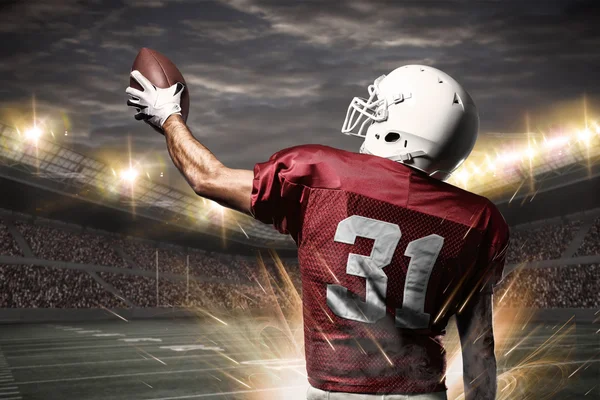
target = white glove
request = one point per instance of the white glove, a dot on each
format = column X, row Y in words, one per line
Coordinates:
column 154, row 105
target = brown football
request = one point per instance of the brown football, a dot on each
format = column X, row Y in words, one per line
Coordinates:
column 162, row 73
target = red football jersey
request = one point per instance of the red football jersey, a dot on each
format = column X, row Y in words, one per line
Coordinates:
column 387, row 255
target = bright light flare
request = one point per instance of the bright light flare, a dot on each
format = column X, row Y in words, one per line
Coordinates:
column 129, row 175
column 491, row 166
column 462, row 175
column 33, row 133
column 509, row 157
column 584, row 135
column 558, row 141
column 530, row 153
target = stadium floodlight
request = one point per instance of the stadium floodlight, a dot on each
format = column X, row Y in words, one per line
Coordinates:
column 530, row 153
column 510, row 157
column 129, row 175
column 584, row 135
column 556, row 142
column 33, row 133
column 56, row 162
column 491, row 166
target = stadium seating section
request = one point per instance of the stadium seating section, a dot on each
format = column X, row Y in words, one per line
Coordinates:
column 543, row 243
column 234, row 282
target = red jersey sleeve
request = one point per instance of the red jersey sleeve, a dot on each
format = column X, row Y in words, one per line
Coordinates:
column 279, row 186
column 494, row 246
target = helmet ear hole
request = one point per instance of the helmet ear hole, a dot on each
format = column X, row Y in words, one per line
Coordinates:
column 392, row 137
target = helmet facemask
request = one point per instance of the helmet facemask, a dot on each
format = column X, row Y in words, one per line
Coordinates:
column 363, row 112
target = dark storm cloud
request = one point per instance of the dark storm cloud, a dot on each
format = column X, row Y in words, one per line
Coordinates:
column 270, row 74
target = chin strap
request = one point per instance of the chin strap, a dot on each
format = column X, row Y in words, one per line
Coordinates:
column 408, row 156
column 400, row 157
column 440, row 175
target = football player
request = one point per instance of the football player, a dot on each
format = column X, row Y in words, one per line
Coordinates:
column 388, row 251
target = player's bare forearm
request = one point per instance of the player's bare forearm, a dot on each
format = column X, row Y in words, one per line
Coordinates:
column 477, row 343
column 208, row 177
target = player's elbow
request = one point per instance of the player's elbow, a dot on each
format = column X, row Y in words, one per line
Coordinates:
column 487, row 353
column 202, row 188
column 208, row 183
column 484, row 347
column 487, row 344
column 208, row 189
column 480, row 353
column 228, row 187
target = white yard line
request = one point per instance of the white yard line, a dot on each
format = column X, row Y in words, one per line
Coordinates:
column 108, row 334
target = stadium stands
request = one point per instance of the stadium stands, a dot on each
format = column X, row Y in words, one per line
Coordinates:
column 24, row 286
column 546, row 242
column 54, row 244
column 562, row 287
column 591, row 243
column 8, row 245
column 236, row 282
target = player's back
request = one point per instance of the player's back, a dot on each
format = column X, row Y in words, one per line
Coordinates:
column 387, row 255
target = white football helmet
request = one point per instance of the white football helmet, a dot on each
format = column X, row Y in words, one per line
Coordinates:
column 416, row 115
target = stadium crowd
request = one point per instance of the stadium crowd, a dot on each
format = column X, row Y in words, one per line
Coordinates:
column 25, row 286
column 561, row 287
column 8, row 246
column 591, row 243
column 547, row 242
column 55, row 244
column 234, row 282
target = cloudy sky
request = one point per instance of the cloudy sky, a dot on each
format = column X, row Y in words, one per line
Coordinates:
column 266, row 74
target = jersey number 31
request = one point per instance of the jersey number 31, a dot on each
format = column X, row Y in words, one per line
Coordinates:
column 423, row 253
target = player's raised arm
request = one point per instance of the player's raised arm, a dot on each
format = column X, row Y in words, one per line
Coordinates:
column 477, row 342
column 208, row 177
